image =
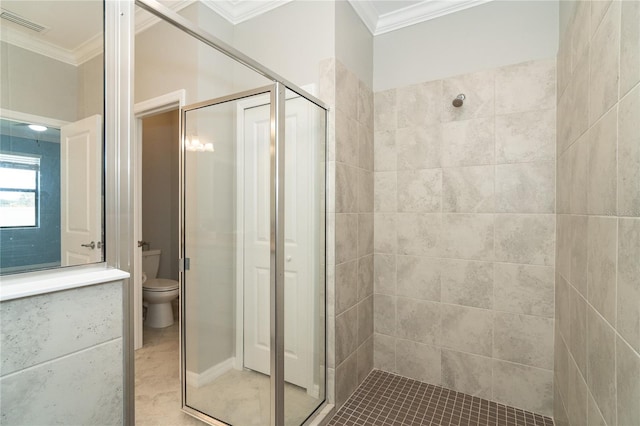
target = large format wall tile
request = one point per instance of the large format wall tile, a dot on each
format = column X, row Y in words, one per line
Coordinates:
column 629, row 46
column 384, row 275
column 601, row 279
column 525, row 387
column 604, row 68
column 628, row 324
column 526, row 136
column 467, row 329
column 418, row 147
column 467, row 373
column 524, row 289
column 384, row 352
column 629, row 153
column 84, row 388
column 41, row 328
column 478, row 89
column 468, row 236
column 419, row 234
column 419, row 104
column 384, row 314
column 384, row 143
column 346, row 288
column 418, row 320
column 523, row 339
column 601, row 361
column 468, row 143
column 418, row 278
column 628, row 384
column 526, row 87
column 420, row 191
column 346, row 334
column 468, row 189
column 602, row 166
column 384, row 110
column 384, row 233
column 525, row 188
column 418, row 361
column 465, row 223
column 467, row 283
column 525, row 239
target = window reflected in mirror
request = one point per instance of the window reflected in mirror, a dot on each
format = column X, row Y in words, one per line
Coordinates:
column 51, row 134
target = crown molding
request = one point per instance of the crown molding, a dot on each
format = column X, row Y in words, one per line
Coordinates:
column 18, row 38
column 236, row 11
column 87, row 50
column 367, row 13
column 410, row 15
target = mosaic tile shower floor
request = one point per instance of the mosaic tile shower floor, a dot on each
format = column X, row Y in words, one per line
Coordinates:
column 388, row 399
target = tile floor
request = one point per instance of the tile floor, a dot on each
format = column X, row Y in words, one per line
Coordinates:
column 388, row 399
column 238, row 397
column 158, row 380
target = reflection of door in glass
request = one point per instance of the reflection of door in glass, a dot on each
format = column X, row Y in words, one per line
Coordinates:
column 80, row 191
column 299, row 301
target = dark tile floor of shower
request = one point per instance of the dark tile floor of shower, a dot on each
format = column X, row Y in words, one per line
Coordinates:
column 388, row 399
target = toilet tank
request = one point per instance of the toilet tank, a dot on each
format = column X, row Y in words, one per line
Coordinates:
column 151, row 263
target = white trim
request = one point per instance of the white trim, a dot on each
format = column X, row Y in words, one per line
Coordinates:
column 236, row 11
column 24, row 117
column 410, row 15
column 198, row 380
column 36, row 283
column 167, row 102
column 17, row 38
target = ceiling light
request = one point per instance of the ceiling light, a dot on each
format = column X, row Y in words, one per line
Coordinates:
column 37, row 127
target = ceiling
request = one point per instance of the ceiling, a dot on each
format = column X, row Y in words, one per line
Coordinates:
column 71, row 29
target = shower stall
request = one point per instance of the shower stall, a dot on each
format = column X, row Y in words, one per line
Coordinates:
column 252, row 235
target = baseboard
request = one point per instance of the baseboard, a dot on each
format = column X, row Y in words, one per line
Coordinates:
column 197, row 380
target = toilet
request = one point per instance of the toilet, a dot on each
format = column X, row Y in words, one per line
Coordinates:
column 158, row 293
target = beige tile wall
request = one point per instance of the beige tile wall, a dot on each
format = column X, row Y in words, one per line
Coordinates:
column 597, row 357
column 350, row 228
column 464, row 233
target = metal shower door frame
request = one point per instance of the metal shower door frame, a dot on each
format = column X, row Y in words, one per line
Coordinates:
column 276, row 194
column 277, row 110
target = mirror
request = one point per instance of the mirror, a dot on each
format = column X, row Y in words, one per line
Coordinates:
column 51, row 134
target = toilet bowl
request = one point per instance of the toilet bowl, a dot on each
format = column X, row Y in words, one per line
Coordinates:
column 158, row 293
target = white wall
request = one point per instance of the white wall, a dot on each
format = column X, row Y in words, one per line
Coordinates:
column 91, row 87
column 354, row 43
column 291, row 40
column 38, row 85
column 491, row 35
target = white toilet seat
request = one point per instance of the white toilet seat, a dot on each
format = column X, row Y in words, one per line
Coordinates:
column 160, row 285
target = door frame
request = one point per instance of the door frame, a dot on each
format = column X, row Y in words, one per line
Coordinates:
column 238, row 364
column 173, row 101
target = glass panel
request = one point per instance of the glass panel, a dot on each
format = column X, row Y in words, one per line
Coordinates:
column 304, row 223
column 52, row 82
column 227, row 239
column 18, row 178
column 17, row 209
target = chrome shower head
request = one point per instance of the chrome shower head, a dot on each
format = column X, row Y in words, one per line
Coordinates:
column 458, row 101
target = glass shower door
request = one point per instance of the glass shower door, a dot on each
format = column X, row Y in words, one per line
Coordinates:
column 217, row 241
column 228, row 246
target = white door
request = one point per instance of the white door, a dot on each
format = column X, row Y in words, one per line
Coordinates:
column 298, row 335
column 80, row 191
